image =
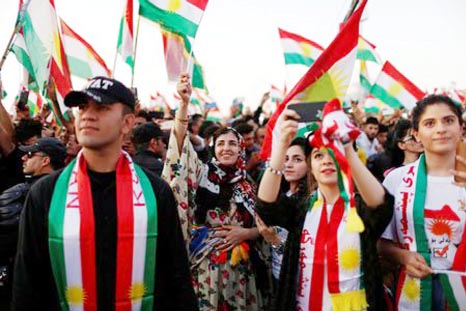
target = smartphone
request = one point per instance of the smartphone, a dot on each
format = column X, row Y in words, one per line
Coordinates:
column 459, row 166
column 23, row 100
column 308, row 112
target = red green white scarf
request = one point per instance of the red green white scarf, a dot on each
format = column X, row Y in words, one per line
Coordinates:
column 330, row 258
column 72, row 238
column 414, row 293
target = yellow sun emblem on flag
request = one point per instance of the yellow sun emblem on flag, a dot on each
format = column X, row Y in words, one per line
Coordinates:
column 137, row 291
column 75, row 295
column 350, row 258
column 174, row 5
column 395, row 89
column 306, row 49
column 332, row 84
column 412, row 290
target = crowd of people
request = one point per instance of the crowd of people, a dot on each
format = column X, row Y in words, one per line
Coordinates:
column 113, row 207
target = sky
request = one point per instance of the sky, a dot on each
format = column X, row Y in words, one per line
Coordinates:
column 238, row 45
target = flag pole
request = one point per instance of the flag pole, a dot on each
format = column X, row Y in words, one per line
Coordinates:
column 135, row 50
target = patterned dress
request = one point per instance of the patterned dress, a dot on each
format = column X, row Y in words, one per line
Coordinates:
column 222, row 280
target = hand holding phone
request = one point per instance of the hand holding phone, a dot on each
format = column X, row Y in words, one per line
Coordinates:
column 308, row 112
column 460, row 165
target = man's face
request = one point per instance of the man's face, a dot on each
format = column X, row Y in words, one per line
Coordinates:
column 260, row 135
column 33, row 162
column 159, row 147
column 382, row 137
column 101, row 126
column 248, row 140
column 371, row 130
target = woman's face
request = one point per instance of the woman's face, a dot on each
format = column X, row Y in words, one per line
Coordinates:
column 439, row 129
column 323, row 168
column 409, row 144
column 227, row 149
column 295, row 164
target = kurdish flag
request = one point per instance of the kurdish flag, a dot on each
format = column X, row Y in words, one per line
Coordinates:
column 83, row 60
column 125, row 36
column 394, row 89
column 21, row 52
column 179, row 16
column 41, row 35
column 366, row 51
column 177, row 50
column 299, row 50
column 326, row 79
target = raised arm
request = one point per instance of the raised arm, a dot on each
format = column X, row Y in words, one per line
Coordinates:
column 181, row 118
column 6, row 129
column 270, row 184
column 372, row 192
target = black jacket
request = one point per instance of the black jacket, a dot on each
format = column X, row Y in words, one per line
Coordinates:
column 150, row 161
column 34, row 286
column 290, row 214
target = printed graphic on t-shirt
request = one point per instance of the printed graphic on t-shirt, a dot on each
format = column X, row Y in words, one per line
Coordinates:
column 441, row 225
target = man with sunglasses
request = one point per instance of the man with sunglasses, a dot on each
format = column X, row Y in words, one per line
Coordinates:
column 41, row 158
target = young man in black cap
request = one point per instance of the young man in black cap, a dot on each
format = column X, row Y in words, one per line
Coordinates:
column 39, row 159
column 103, row 234
column 150, row 147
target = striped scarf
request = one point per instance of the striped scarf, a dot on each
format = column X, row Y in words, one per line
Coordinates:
column 414, row 293
column 330, row 258
column 72, row 238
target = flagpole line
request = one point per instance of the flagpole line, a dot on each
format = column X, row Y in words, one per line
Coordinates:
column 190, row 58
column 135, row 50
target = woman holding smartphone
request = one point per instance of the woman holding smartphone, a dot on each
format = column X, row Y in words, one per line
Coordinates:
column 325, row 267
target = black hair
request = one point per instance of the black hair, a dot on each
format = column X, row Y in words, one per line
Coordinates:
column 383, row 128
column 27, row 128
column 371, row 120
column 193, row 120
column 142, row 135
column 243, row 128
column 204, row 126
column 402, row 128
column 144, row 114
column 430, row 100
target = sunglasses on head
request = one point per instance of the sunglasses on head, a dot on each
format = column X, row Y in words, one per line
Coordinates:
column 407, row 138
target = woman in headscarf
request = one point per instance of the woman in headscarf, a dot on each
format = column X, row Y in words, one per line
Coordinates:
column 216, row 209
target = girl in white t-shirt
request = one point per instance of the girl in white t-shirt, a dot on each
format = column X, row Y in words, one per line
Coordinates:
column 427, row 230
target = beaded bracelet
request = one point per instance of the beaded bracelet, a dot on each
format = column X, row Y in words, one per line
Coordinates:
column 272, row 170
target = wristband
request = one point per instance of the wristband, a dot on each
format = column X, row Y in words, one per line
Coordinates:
column 273, row 170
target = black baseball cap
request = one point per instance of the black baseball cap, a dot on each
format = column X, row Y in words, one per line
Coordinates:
column 51, row 146
column 145, row 132
column 104, row 91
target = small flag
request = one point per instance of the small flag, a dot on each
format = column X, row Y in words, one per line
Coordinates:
column 125, row 36
column 299, row 50
column 179, row 16
column 394, row 89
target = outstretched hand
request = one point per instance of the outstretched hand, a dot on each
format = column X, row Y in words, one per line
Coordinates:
column 184, row 88
column 288, row 127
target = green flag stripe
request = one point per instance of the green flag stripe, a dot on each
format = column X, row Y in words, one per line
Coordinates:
column 364, row 82
column 168, row 20
column 366, row 55
column 419, row 230
column 295, row 58
column 55, row 229
column 449, row 295
column 383, row 95
column 79, row 68
column 23, row 57
column 151, row 242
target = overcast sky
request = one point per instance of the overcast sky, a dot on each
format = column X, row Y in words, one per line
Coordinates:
column 239, row 47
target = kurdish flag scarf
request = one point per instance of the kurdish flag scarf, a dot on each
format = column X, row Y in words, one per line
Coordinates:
column 414, row 293
column 331, row 259
column 72, row 238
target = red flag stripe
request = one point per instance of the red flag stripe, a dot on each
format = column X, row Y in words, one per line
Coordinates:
column 66, row 30
column 332, row 247
column 125, row 235
column 201, row 4
column 87, row 237
column 289, row 35
column 129, row 16
column 390, row 70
